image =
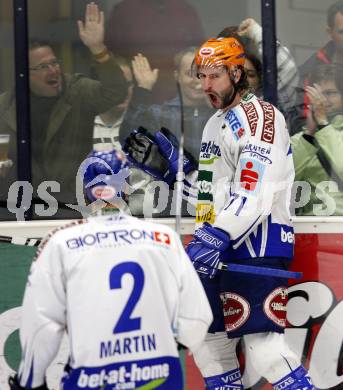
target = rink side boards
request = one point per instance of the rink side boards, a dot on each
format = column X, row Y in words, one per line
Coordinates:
column 40, row 228
column 315, row 308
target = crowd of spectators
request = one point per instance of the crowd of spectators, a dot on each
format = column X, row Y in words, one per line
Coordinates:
column 142, row 75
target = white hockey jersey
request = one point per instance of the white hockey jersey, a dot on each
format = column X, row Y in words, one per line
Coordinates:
column 245, row 178
column 123, row 289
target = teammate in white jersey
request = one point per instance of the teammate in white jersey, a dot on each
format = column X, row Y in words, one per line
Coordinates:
column 244, row 181
column 123, row 289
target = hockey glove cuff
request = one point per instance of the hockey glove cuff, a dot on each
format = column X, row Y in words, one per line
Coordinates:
column 169, row 148
column 205, row 249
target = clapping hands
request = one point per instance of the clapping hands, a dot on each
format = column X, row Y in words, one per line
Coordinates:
column 145, row 76
column 317, row 114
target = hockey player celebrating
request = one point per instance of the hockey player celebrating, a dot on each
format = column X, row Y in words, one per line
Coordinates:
column 244, row 183
column 122, row 289
column 246, row 146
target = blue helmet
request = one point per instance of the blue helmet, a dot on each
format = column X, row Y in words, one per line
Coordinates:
column 105, row 175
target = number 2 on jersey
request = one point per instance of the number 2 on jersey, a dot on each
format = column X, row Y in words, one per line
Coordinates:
column 125, row 323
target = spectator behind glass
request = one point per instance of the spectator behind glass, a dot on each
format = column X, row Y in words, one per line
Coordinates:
column 331, row 53
column 253, row 69
column 168, row 114
column 317, row 149
column 63, row 108
column 249, row 33
column 107, row 124
column 158, row 29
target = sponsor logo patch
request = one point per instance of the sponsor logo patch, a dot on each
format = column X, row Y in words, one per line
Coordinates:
column 135, row 375
column 287, row 236
column 252, row 116
column 212, row 241
column 205, row 185
column 247, row 97
column 204, row 213
column 235, row 124
column 274, row 306
column 103, row 192
column 236, row 310
column 251, row 175
column 209, row 150
column 117, row 237
column 162, row 237
column 258, row 152
column 206, row 51
column 268, row 129
column 285, row 384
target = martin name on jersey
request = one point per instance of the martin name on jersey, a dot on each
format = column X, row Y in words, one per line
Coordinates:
column 245, row 178
column 124, row 290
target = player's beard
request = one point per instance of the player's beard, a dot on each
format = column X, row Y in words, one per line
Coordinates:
column 229, row 97
column 222, row 100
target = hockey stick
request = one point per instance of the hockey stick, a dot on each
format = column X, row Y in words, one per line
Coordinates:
column 180, row 174
column 263, row 271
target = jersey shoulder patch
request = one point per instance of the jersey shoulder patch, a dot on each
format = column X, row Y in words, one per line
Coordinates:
column 252, row 116
column 268, row 128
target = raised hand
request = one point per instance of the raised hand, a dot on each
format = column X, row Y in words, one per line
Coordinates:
column 145, row 77
column 92, row 30
column 246, row 27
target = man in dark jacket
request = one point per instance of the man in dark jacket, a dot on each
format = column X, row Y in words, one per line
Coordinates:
column 63, row 108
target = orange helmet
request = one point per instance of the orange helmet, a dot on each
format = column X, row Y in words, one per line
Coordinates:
column 220, row 52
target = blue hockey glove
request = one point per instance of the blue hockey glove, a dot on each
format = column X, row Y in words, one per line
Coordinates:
column 205, row 249
column 14, row 385
column 105, row 175
column 169, row 148
column 157, row 154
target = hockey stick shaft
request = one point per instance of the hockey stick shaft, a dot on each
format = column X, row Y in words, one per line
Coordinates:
column 263, row 271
